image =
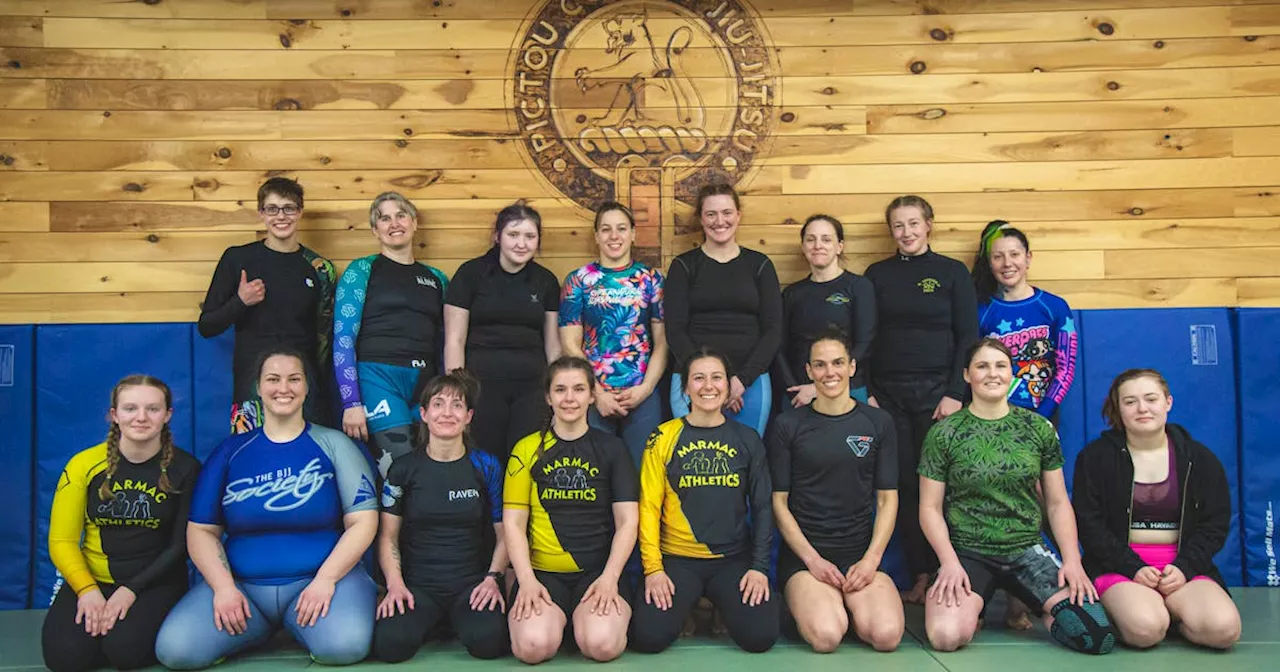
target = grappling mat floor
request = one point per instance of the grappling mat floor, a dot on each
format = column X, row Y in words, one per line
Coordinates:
column 994, row 648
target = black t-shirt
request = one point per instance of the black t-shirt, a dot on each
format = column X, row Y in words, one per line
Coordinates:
column 928, row 314
column 570, row 490
column 832, row 467
column 403, row 316
column 445, row 509
column 508, row 317
column 847, row 302
column 734, row 307
column 299, row 292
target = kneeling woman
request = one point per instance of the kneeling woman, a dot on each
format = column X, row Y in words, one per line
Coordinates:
column 128, row 497
column 570, row 524
column 297, row 505
column 984, row 462
column 440, row 507
column 1154, row 507
column 835, row 496
column 706, row 519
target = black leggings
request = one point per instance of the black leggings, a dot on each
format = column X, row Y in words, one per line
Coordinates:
column 753, row 629
column 398, row 638
column 130, row 645
column 911, row 401
column 508, row 411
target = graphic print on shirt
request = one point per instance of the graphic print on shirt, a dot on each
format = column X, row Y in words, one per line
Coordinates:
column 568, row 479
column 131, row 505
column 860, row 445
column 706, row 464
column 839, row 299
column 1033, row 357
column 929, row 285
column 614, row 307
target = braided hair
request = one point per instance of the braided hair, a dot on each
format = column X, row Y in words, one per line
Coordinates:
column 113, row 435
column 563, row 363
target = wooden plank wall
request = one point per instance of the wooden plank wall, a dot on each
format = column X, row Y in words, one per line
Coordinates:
column 1136, row 141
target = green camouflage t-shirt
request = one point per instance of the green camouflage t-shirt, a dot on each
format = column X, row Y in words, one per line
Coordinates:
column 991, row 468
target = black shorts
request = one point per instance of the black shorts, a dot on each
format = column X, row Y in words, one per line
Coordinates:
column 789, row 564
column 567, row 589
column 1030, row 576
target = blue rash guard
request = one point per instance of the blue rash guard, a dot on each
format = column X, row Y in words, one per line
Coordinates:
column 282, row 504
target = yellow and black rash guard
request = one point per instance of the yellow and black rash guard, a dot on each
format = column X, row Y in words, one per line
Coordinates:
column 704, row 493
column 569, row 491
column 136, row 538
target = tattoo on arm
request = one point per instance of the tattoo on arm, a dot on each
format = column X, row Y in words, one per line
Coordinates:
column 222, row 557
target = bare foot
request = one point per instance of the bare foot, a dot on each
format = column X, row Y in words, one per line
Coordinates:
column 717, row 624
column 917, row 593
column 1017, row 616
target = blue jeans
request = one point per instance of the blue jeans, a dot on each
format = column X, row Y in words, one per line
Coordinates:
column 634, row 427
column 188, row 639
column 755, row 403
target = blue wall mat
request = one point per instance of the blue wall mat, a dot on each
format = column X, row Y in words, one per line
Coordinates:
column 211, row 374
column 17, row 383
column 1193, row 348
column 1072, row 411
column 1257, row 333
column 76, row 367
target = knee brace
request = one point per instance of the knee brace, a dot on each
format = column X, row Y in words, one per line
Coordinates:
column 1084, row 628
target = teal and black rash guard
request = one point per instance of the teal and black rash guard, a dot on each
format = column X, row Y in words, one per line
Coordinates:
column 388, row 313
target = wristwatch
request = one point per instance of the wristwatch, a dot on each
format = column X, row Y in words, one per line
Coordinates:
column 497, row 576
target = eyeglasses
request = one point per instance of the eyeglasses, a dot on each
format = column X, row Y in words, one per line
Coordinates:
column 273, row 210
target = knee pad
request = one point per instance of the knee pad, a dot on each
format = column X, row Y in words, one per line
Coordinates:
column 1084, row 628
column 391, row 443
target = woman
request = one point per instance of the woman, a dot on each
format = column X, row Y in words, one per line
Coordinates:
column 706, row 519
column 128, row 499
column 570, row 524
column 724, row 296
column 1035, row 325
column 388, row 336
column 611, row 315
column 500, row 323
column 1154, row 507
column 275, row 292
column 835, row 497
column 297, row 505
column 984, row 462
column 440, row 543
column 829, row 296
column 927, row 319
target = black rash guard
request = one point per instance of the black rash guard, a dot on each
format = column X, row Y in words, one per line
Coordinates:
column 507, row 317
column 734, row 307
column 297, row 311
column 928, row 318
column 848, row 302
column 448, row 510
column 832, row 466
column 403, row 316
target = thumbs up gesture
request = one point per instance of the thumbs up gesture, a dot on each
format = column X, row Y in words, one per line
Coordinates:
column 251, row 292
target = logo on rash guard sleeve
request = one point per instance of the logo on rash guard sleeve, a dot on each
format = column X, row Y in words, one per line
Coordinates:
column 283, row 490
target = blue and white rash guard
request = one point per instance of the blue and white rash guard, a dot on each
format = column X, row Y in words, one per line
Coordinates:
column 282, row 504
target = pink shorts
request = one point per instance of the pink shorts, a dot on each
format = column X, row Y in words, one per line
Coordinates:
column 1155, row 555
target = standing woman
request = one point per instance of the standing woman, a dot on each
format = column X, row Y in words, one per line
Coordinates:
column 276, row 293
column 1154, row 508
column 835, row 497
column 724, row 296
column 979, row 510
column 388, row 335
column 500, row 323
column 297, row 506
column 928, row 318
column 1035, row 325
column 570, row 524
column 829, row 297
column 440, row 543
column 706, row 520
column 611, row 315
column 128, row 498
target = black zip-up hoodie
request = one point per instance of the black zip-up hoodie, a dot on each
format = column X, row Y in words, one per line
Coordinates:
column 1103, row 500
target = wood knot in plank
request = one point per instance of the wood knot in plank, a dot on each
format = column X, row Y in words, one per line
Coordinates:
column 224, row 152
column 285, row 40
column 418, row 180
column 1113, row 86
column 6, row 159
column 324, row 160
column 16, row 65
column 1159, row 44
column 345, row 12
column 408, row 131
column 939, row 34
column 1250, row 38
column 153, row 238
column 918, row 67
column 402, row 143
column 788, row 117
column 829, row 91
column 1106, row 28
column 933, row 113
column 287, row 104
column 151, row 3
column 133, row 187
column 1136, row 211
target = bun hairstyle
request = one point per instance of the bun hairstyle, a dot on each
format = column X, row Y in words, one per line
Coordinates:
column 113, row 435
column 460, row 383
column 984, row 280
column 1111, row 407
column 562, row 363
